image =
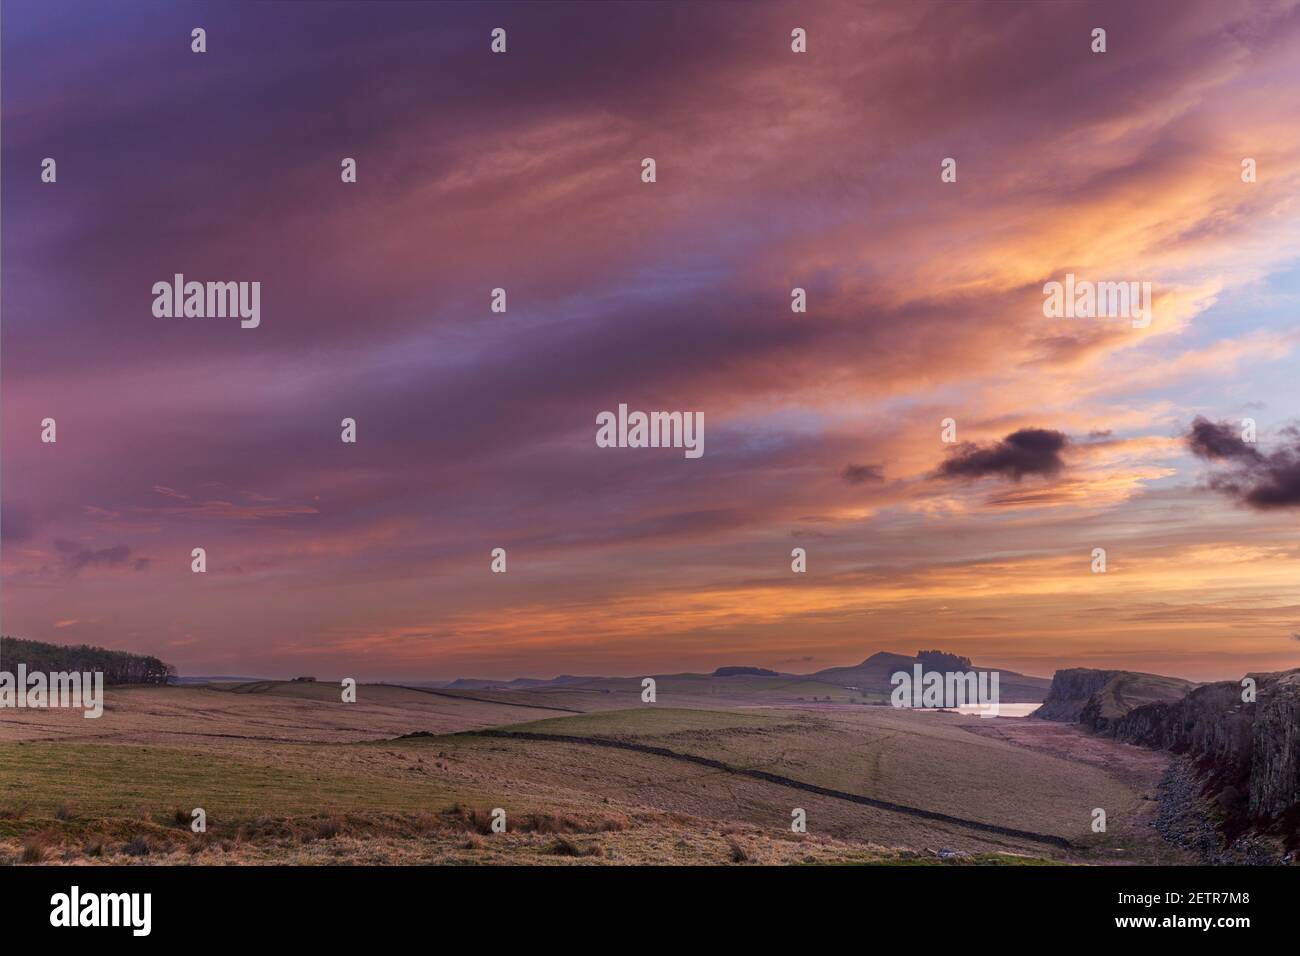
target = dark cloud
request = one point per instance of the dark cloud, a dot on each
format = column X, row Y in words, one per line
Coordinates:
column 860, row 474
column 75, row 558
column 1217, row 441
column 1251, row 477
column 1029, row 451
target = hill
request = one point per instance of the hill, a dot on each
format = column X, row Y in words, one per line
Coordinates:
column 518, row 683
column 869, row 680
column 873, row 676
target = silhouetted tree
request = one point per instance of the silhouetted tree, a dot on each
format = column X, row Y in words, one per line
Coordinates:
column 118, row 667
column 942, row 661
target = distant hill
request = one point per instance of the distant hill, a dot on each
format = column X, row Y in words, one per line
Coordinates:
column 474, row 683
column 741, row 671
column 871, row 677
column 875, row 672
column 118, row 667
column 518, row 683
column 215, row 679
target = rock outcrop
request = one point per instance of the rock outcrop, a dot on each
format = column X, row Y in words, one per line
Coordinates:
column 1070, row 692
column 1127, row 691
column 1275, row 770
column 1096, row 698
column 1247, row 753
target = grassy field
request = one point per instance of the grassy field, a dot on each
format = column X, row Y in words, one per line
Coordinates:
column 287, row 773
column 695, row 691
column 928, row 760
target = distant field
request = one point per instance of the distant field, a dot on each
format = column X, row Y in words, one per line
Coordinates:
column 928, row 760
column 689, row 690
column 267, row 711
column 286, row 772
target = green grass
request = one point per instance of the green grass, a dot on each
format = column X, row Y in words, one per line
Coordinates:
column 650, row 722
column 94, row 781
column 918, row 761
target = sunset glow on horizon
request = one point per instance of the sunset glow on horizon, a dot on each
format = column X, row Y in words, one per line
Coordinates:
column 823, row 430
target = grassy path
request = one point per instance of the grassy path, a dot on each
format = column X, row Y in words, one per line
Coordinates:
column 780, row 780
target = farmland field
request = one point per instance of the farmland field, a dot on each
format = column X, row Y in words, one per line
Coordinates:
column 285, row 772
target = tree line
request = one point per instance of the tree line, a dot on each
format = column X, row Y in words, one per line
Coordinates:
column 943, row 661
column 118, row 667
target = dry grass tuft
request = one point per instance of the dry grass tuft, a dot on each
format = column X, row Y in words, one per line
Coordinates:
column 738, row 853
column 328, row 828
column 138, row 846
column 472, row 818
column 566, row 847
column 34, row 848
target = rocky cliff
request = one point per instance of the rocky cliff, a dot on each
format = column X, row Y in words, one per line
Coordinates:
column 1126, row 691
column 1275, row 769
column 1096, row 697
column 1247, row 753
column 1070, row 692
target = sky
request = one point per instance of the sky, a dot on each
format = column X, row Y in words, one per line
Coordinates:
column 823, row 430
